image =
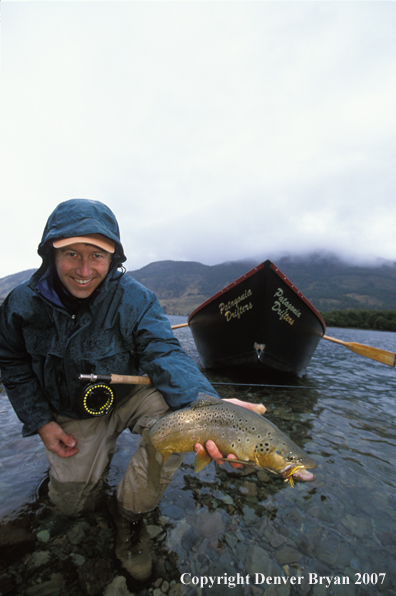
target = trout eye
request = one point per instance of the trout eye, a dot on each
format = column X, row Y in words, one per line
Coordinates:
column 292, row 458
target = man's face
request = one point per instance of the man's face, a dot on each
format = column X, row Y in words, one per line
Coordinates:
column 81, row 268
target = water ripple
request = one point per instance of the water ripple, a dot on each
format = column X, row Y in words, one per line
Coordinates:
column 342, row 523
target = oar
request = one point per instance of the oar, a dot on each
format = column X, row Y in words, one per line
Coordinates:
column 368, row 351
column 178, row 326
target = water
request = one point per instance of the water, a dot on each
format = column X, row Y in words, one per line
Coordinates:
column 216, row 524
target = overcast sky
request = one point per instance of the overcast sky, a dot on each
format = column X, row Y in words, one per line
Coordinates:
column 215, row 130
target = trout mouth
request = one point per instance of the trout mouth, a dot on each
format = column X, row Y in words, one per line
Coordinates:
column 297, row 472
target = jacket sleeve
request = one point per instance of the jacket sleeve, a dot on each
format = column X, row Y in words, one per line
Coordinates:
column 171, row 370
column 17, row 376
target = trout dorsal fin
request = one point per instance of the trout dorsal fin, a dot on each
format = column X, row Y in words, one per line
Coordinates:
column 204, row 400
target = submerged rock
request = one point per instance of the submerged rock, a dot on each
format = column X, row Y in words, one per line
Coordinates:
column 287, row 554
column 77, row 533
column 154, row 531
column 94, row 576
column 259, row 560
column 208, row 525
column 249, row 516
column 278, row 590
column 37, row 560
column 173, row 511
column 174, row 537
column 44, row 536
column 177, row 590
column 78, row 560
column 274, row 538
column 118, row 587
column 47, row 588
column 249, row 489
column 358, row 525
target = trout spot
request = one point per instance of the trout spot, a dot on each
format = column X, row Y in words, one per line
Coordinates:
column 262, row 447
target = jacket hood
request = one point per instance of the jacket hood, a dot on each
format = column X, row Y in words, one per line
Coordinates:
column 78, row 217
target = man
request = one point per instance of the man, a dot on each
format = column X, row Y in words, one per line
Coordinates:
column 78, row 314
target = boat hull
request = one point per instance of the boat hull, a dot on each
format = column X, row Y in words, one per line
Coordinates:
column 261, row 320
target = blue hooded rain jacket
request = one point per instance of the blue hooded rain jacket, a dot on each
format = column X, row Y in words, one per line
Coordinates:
column 119, row 329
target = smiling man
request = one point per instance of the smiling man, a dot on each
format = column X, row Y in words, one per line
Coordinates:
column 78, row 314
column 82, row 263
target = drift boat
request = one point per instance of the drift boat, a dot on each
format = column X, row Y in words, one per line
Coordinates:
column 261, row 320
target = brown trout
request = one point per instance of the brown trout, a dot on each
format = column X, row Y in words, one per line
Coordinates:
column 253, row 439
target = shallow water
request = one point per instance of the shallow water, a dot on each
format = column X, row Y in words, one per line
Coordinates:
column 220, row 524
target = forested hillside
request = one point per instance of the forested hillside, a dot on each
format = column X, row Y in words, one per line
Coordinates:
column 380, row 320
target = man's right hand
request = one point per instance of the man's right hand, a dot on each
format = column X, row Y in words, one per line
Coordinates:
column 56, row 440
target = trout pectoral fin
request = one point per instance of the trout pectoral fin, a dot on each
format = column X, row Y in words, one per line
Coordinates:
column 155, row 463
column 202, row 459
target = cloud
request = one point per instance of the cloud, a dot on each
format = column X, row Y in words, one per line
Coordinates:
column 215, row 131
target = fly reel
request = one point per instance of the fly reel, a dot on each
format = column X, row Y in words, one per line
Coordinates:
column 97, row 399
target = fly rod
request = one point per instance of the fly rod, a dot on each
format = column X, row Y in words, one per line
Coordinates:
column 130, row 380
column 116, row 379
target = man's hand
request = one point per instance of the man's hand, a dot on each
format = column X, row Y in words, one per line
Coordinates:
column 215, row 454
column 211, row 447
column 56, row 440
column 258, row 408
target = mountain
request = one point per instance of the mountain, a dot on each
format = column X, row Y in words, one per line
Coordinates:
column 333, row 284
column 181, row 286
column 8, row 283
column 327, row 281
